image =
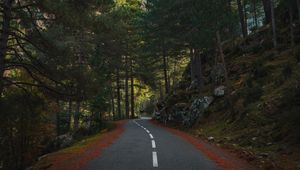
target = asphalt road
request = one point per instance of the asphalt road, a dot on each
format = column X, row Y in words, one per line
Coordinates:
column 144, row 146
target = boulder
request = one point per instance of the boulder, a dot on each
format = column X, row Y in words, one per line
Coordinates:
column 198, row 107
column 179, row 111
column 219, row 91
column 210, row 138
column 207, row 101
column 202, row 103
column 63, row 141
column 42, row 157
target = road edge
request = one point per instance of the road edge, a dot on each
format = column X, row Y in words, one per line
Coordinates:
column 77, row 160
column 224, row 159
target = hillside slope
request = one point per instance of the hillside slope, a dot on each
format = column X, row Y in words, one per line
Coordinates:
column 258, row 116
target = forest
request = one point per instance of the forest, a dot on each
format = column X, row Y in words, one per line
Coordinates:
column 227, row 70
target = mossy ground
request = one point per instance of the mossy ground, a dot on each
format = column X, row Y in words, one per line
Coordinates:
column 61, row 158
column 259, row 117
column 267, row 129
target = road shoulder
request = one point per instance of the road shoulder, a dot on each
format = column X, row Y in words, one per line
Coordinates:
column 223, row 158
column 76, row 156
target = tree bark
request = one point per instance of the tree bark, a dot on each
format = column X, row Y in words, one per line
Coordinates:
column 132, row 88
column 192, row 64
column 242, row 18
column 126, row 87
column 245, row 15
column 255, row 13
column 118, row 94
column 298, row 7
column 291, row 27
column 221, row 53
column 174, row 74
column 70, row 114
column 267, row 10
column 161, row 93
column 165, row 66
column 273, row 24
column 76, row 116
column 229, row 3
column 58, row 120
column 112, row 102
column 198, row 70
column 6, row 5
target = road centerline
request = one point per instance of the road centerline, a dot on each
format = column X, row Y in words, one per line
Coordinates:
column 154, row 154
column 153, row 144
column 151, row 136
column 154, row 157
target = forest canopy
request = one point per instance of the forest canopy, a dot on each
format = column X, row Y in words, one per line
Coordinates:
column 69, row 66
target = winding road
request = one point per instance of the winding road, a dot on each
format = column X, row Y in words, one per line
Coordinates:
column 145, row 146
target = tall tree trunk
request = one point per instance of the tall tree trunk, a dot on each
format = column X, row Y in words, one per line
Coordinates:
column 255, row 13
column 6, row 5
column 192, row 64
column 298, row 7
column 70, row 114
column 76, row 116
column 229, row 3
column 118, row 94
column 165, row 65
column 126, row 87
column 221, row 53
column 242, row 18
column 245, row 15
column 132, row 88
column 112, row 102
column 267, row 10
column 22, row 132
column 291, row 27
column 198, row 70
column 273, row 24
column 174, row 74
column 168, row 74
column 58, row 119
column 161, row 94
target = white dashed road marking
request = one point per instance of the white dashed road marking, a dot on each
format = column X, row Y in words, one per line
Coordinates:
column 154, row 154
column 154, row 157
column 153, row 144
column 151, row 136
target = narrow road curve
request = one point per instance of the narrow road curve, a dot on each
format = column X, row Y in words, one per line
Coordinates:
column 154, row 153
column 144, row 146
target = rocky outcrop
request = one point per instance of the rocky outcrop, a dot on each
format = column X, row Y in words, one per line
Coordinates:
column 61, row 141
column 219, row 91
column 198, row 107
column 185, row 113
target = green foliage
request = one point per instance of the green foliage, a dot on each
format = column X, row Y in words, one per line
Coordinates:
column 24, row 128
column 297, row 54
column 100, row 103
column 62, row 51
column 251, row 94
column 259, row 70
column 197, row 21
column 287, row 71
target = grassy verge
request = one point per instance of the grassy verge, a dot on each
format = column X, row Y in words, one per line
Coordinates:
column 58, row 159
